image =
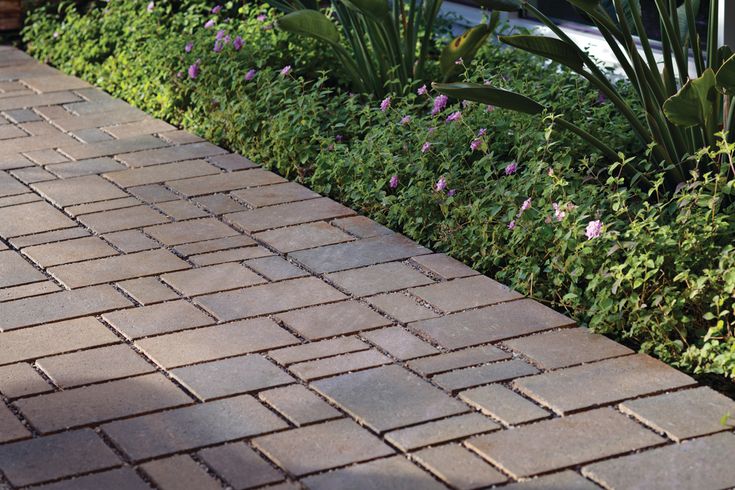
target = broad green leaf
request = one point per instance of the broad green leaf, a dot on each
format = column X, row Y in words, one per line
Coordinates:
column 464, row 46
column 378, row 9
column 548, row 47
column 310, row 23
column 491, row 96
column 681, row 14
column 585, row 4
column 723, row 54
column 629, row 13
column 694, row 104
column 504, row 5
column 726, row 76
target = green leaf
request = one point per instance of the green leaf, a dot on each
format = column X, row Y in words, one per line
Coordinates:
column 726, row 76
column 464, row 46
column 491, row 96
column 548, row 47
column 310, row 23
column 694, row 104
column 378, row 9
column 585, row 4
column 681, row 14
column 504, row 5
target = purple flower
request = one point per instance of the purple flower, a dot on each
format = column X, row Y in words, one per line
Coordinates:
column 451, row 192
column 238, row 43
column 339, row 138
column 425, row 147
column 393, row 182
column 601, row 99
column 220, row 34
column 216, row 9
column 250, row 75
column 512, row 225
column 179, row 74
column 482, row 132
column 511, row 168
column 189, row 46
column 285, row 70
column 490, row 108
column 559, row 214
column 385, row 104
column 218, row 46
column 422, row 90
column 261, row 17
column 405, row 120
column 459, row 61
column 526, row 205
column 594, row 229
column 194, row 70
column 475, row 144
column 454, row 116
column 151, row 6
column 440, row 102
column 441, row 184
column 431, row 130
column 209, row 24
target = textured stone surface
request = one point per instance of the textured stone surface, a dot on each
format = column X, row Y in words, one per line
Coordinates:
column 459, row 467
column 190, row 231
column 399, row 343
column 14, row 270
column 179, row 473
column 440, row 431
column 333, row 319
column 316, row 350
column 574, row 388
column 489, row 373
column 563, row 480
column 275, row 194
column 69, row 251
column 299, row 405
column 300, row 237
column 379, row 278
column 11, row 428
column 78, row 190
column 122, row 219
column 394, row 473
column 155, row 319
column 21, row 380
column 199, row 186
column 330, row 366
column 35, row 217
column 205, row 280
column 240, row 465
column 458, row 359
column 402, row 307
column 462, row 294
column 124, row 478
column 563, row 442
column 504, row 404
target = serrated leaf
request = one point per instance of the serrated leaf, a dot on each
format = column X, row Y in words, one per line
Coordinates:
column 491, row 96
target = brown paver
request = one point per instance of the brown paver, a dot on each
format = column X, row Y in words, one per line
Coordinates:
column 504, row 404
column 94, row 365
column 232, row 376
column 216, row 342
column 695, row 465
column 321, row 447
column 299, row 405
column 186, row 428
column 117, row 268
column 588, row 385
column 395, row 473
column 21, row 380
column 683, row 414
column 388, row 397
column 269, row 298
column 440, row 431
column 167, row 317
column 98, row 403
column 333, row 319
column 563, row 442
column 55, row 456
column 60, row 306
column 240, row 466
column 459, row 467
column 180, row 473
column 251, row 305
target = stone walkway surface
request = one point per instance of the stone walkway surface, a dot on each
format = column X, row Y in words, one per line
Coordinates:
column 173, row 316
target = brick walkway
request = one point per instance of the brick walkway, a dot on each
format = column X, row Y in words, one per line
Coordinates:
column 173, row 316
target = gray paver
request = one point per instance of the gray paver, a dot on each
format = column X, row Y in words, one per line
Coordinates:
column 441, row 431
column 199, row 186
column 287, row 214
column 156, row 319
column 148, row 290
column 122, row 219
column 78, row 190
column 333, row 319
column 186, row 428
column 180, row 473
column 21, row 380
column 275, row 194
column 459, row 467
column 169, row 154
column 11, row 428
column 28, row 290
column 69, row 251
column 379, row 278
column 361, row 226
column 504, row 404
column 402, row 307
column 240, row 466
column 489, row 373
column 563, row 480
column 316, row 350
column 275, row 268
column 444, row 266
column 203, row 280
column 35, row 217
column 458, row 359
column 388, row 397
column 120, row 478
column 299, row 405
column 588, row 385
column 85, row 167
column 190, row 231
column 343, row 363
column 299, row 237
column 394, row 473
column 14, row 270
column 399, row 343
column 463, row 294
column 322, row 446
column 161, row 173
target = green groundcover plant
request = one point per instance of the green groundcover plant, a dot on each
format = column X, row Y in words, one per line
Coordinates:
column 496, row 189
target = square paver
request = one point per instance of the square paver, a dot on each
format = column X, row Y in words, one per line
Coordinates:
column 69, row 251
column 275, row 268
column 78, row 190
column 459, row 467
column 388, row 397
column 216, row 342
column 148, row 290
column 219, row 204
column 400, row 343
column 203, row 280
column 181, row 210
column 269, row 298
column 394, row 473
column 187, row 428
column 34, row 217
column 56, row 456
column 94, row 365
column 231, row 376
column 575, row 388
column 567, row 347
column 156, row 319
column 693, row 465
column 131, row 241
column 180, row 473
column 321, row 447
column 683, row 414
column 462, row 294
column 492, row 323
column 53, row 307
column 117, row 268
column 101, row 402
column 563, row 442
column 333, row 319
column 299, row 405
column 240, row 466
column 14, row 270
column 379, row 278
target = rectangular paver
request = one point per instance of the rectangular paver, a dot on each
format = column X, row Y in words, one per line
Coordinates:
column 334, row 319
column 160, row 318
column 78, row 190
column 52, row 254
column 34, row 217
column 240, row 465
column 21, row 380
column 288, row 214
column 190, row 231
column 299, row 405
column 199, row 186
column 123, row 219
column 169, row 154
column 440, row 431
column 15, row 270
